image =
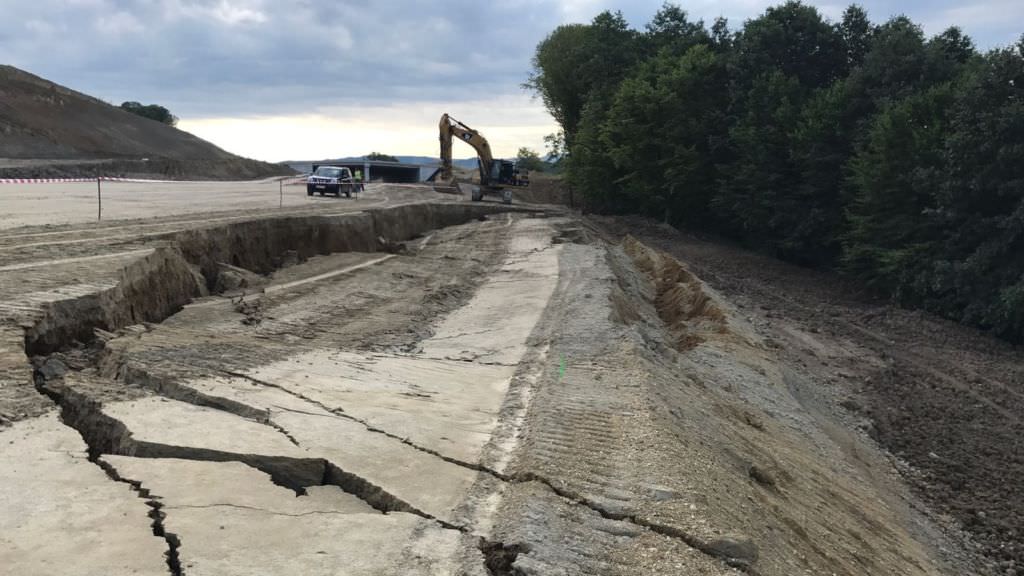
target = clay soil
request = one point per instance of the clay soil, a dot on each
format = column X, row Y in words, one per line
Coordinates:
column 944, row 400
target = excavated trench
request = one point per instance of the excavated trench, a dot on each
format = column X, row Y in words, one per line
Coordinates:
column 191, row 264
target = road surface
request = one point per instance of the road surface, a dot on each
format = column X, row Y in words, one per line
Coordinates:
column 424, row 386
column 77, row 203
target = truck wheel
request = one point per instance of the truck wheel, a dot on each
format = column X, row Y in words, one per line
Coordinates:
column 309, row 190
column 348, row 192
column 506, row 197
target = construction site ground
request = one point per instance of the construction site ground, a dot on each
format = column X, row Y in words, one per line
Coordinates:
column 412, row 383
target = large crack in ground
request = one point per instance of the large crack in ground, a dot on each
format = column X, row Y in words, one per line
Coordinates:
column 496, row 554
column 156, row 513
column 63, row 327
column 104, row 435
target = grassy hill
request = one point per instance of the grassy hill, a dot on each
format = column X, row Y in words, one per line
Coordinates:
column 40, row 120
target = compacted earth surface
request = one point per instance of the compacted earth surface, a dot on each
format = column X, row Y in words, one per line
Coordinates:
column 419, row 384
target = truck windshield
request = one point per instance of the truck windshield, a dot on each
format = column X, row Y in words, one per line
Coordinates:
column 328, row 172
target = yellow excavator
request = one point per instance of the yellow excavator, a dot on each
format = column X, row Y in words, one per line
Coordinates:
column 495, row 175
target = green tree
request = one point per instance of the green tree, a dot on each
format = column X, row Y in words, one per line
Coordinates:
column 530, row 160
column 894, row 230
column 580, row 64
column 380, row 157
column 755, row 197
column 794, row 39
column 662, row 134
column 980, row 277
column 671, row 28
column 856, row 31
column 151, row 111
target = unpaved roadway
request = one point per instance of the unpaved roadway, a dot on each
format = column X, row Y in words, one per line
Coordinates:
column 427, row 386
column 78, row 202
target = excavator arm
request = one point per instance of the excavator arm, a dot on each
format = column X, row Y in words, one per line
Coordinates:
column 451, row 128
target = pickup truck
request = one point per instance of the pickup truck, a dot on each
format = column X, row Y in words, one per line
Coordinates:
column 330, row 180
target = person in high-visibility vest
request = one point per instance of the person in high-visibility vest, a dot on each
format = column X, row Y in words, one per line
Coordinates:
column 359, row 180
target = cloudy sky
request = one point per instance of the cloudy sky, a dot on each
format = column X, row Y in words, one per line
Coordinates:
column 288, row 79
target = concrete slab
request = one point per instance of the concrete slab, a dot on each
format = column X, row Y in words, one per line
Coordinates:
column 189, row 483
column 167, row 422
column 445, row 405
column 424, row 481
column 60, row 514
column 487, row 329
column 231, row 520
column 224, row 541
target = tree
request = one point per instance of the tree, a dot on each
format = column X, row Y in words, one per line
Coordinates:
column 378, row 156
column 580, row 64
column 980, row 277
column 529, row 160
column 671, row 28
column 556, row 150
column 794, row 39
column 856, row 31
column 662, row 134
column 151, row 111
column 894, row 156
column 894, row 231
column 755, row 196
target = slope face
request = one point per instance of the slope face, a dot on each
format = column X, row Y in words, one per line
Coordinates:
column 43, row 120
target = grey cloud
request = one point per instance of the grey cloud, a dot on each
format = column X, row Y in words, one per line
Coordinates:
column 204, row 58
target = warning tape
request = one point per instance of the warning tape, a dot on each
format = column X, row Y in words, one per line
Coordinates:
column 43, row 180
column 136, row 180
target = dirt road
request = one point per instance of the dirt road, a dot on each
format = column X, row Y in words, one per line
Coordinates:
column 437, row 387
column 76, row 202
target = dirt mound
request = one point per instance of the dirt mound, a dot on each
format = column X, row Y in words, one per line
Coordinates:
column 682, row 301
column 43, row 120
column 546, row 189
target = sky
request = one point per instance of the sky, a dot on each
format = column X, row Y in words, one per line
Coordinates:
column 308, row 79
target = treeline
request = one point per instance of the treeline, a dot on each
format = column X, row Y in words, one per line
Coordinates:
column 896, row 158
column 151, row 111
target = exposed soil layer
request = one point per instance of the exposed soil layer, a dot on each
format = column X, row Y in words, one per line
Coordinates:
column 945, row 400
column 442, row 389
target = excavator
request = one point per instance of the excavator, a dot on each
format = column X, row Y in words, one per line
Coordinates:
column 495, row 174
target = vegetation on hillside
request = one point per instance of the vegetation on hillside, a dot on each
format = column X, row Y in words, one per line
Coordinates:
column 151, row 111
column 893, row 157
column 530, row 160
column 380, row 156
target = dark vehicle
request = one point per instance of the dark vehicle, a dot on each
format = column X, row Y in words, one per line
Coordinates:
column 331, row 180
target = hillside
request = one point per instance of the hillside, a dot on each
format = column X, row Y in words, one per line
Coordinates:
column 40, row 120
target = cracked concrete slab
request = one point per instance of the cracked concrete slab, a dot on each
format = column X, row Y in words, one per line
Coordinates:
column 447, row 406
column 172, row 428
column 165, row 422
column 60, row 514
column 180, row 483
column 231, row 520
column 240, row 542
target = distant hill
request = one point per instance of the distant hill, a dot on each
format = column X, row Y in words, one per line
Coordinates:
column 40, row 120
column 304, row 165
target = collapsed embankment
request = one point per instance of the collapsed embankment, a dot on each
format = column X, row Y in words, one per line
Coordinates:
column 189, row 264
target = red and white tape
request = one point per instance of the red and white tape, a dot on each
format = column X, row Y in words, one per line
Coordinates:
column 115, row 179
column 43, row 180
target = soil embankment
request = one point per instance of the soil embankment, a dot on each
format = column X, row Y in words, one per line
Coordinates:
column 41, row 120
column 943, row 399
